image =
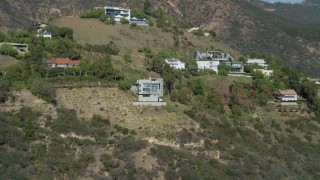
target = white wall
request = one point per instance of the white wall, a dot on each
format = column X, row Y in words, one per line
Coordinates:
column 213, row 65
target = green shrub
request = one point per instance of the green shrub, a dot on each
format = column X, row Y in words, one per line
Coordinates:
column 7, row 49
column 125, row 84
column 127, row 58
column 94, row 13
column 124, row 21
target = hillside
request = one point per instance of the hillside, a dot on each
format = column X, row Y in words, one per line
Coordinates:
column 241, row 24
column 79, row 122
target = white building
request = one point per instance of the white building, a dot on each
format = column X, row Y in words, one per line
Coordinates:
column 260, row 62
column 175, row 63
column 288, row 96
column 267, row 73
column 140, row 22
column 118, row 13
column 213, row 56
column 213, row 65
column 194, row 29
column 44, row 34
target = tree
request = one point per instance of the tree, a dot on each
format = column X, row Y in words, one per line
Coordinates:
column 169, row 78
column 124, row 21
column 125, row 84
column 147, row 7
column 103, row 68
column 197, row 87
column 85, row 67
column 4, row 90
column 7, row 49
column 183, row 95
column 223, row 69
column 18, row 72
column 2, row 37
column 309, row 90
column 65, row 32
column 112, row 19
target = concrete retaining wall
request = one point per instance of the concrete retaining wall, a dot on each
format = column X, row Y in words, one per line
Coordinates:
column 149, row 103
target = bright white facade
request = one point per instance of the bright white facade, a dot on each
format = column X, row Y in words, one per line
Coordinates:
column 118, row 13
column 260, row 62
column 265, row 72
column 213, row 65
column 175, row 63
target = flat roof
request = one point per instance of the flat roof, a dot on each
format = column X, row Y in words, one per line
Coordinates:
column 288, row 91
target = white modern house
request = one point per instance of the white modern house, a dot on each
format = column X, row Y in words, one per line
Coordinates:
column 175, row 63
column 267, row 73
column 288, row 97
column 212, row 59
column 118, row 13
column 213, row 56
column 150, row 92
column 213, row 65
column 260, row 62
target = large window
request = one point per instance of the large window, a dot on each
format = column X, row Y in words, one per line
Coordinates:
column 150, row 88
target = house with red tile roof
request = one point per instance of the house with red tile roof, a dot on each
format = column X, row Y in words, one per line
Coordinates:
column 62, row 62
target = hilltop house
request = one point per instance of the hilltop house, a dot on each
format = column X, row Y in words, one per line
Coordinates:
column 62, row 62
column 213, row 56
column 118, row 13
column 150, row 92
column 260, row 62
column 175, row 63
column 287, row 97
column 211, row 59
column 21, row 48
column 137, row 21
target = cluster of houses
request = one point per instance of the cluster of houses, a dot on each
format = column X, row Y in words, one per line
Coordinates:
column 118, row 13
column 212, row 59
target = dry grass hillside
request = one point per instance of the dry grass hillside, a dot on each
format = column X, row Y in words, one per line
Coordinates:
column 130, row 39
column 117, row 106
column 6, row 61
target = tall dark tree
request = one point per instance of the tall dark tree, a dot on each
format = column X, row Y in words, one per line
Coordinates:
column 103, row 68
column 147, row 7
